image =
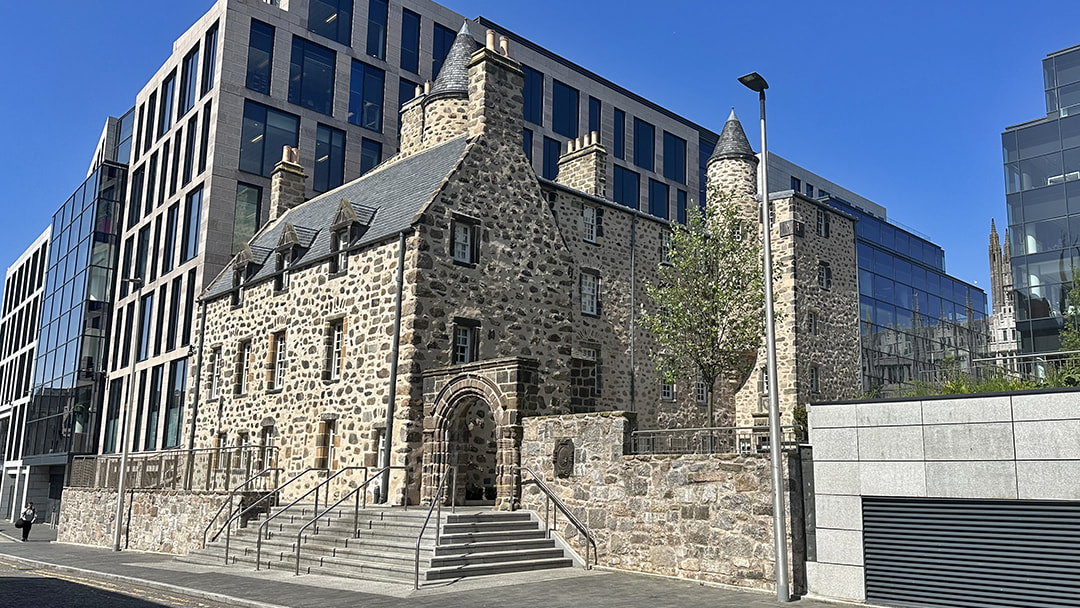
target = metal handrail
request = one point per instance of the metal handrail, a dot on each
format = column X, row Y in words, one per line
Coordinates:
column 104, row 462
column 436, row 503
column 228, row 524
column 357, row 491
column 232, row 493
column 263, row 525
column 552, row 498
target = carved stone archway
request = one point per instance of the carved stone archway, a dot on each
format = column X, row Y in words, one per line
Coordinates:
column 508, row 387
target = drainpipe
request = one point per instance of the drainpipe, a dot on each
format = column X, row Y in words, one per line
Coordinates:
column 389, row 431
column 633, row 313
column 195, row 399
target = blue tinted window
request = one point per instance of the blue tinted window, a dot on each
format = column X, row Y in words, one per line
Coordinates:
column 378, row 14
column 866, row 282
column 329, row 158
column 246, row 216
column 552, row 150
column 366, row 96
column 564, row 109
column 189, row 71
column 674, row 158
column 883, row 264
column 866, row 256
column 680, row 206
column 527, row 142
column 533, row 95
column 442, row 40
column 189, row 148
column 410, row 41
column 265, row 132
column 370, row 155
column 168, row 90
column 260, row 57
column 189, row 246
column 311, row 76
column 594, row 114
column 209, row 59
column 706, row 146
column 168, row 250
column 626, row 187
column 146, row 319
column 658, row 199
column 332, row 19
column 644, row 144
column 406, row 92
column 619, row 140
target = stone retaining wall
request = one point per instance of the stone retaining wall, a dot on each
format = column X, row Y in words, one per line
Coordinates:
column 701, row 517
column 162, row 521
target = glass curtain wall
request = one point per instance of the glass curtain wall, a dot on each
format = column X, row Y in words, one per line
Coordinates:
column 68, row 383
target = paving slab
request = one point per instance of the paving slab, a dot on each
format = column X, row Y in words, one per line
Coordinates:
column 242, row 586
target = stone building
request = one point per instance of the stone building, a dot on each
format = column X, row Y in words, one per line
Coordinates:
column 1004, row 344
column 451, row 292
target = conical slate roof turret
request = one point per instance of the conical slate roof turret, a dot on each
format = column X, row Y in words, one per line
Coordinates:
column 733, row 142
column 454, row 75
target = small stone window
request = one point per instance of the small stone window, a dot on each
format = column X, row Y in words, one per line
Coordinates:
column 590, row 293
column 335, row 350
column 341, row 240
column 278, row 361
column 591, row 352
column 465, row 240
column 243, row 367
column 239, row 285
column 701, row 392
column 665, row 247
column 589, row 217
column 824, row 275
column 815, row 380
column 812, row 323
column 466, row 341
column 215, row 373
column 667, row 391
column 823, row 223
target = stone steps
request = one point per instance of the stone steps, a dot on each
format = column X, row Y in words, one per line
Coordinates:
column 382, row 545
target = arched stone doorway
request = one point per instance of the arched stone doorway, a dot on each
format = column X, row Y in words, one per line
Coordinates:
column 473, row 450
column 472, row 421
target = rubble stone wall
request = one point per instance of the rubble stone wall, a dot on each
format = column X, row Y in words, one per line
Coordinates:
column 701, row 517
column 162, row 521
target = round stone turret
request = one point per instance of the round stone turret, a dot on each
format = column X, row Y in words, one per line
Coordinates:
column 446, row 105
column 731, row 172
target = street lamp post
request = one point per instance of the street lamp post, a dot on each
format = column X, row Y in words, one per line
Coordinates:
column 125, row 418
column 755, row 82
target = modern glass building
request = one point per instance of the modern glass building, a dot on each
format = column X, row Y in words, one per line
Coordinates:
column 917, row 321
column 1042, row 192
column 69, row 380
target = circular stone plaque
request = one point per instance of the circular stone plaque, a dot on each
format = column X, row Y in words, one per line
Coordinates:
column 564, row 457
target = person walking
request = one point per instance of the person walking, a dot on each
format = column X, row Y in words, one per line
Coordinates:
column 27, row 520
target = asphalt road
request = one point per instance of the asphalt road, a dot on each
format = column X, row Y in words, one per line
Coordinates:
column 33, row 588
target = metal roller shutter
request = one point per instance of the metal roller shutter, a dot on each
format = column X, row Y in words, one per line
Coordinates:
column 977, row 553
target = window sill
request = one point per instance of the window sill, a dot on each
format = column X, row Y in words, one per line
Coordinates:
column 240, row 395
column 274, row 391
column 281, row 292
column 594, row 315
column 339, row 274
column 592, row 242
column 458, row 262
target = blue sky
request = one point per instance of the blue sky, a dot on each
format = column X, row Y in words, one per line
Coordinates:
column 902, row 103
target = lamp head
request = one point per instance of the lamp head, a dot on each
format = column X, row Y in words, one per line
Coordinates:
column 754, row 82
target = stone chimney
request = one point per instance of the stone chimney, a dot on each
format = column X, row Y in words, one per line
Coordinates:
column 584, row 165
column 495, row 95
column 287, row 189
column 732, row 170
column 411, row 136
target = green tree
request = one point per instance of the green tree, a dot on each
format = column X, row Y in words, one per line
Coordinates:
column 708, row 305
column 1070, row 333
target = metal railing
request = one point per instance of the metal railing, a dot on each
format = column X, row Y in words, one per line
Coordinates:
column 201, row 469
column 358, row 493
column 232, row 494
column 227, row 528
column 711, row 440
column 436, row 503
column 551, row 519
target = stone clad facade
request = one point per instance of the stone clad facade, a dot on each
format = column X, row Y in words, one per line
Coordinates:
column 518, row 298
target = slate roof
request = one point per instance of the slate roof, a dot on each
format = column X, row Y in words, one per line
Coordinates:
column 386, row 201
column 454, row 75
column 733, row 142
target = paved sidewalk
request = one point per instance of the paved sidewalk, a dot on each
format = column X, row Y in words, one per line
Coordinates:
column 241, row 586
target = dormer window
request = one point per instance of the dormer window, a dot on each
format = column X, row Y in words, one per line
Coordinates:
column 239, row 284
column 341, row 240
column 285, row 259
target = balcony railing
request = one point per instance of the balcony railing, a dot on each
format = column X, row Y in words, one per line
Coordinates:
column 204, row 469
column 715, row 440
